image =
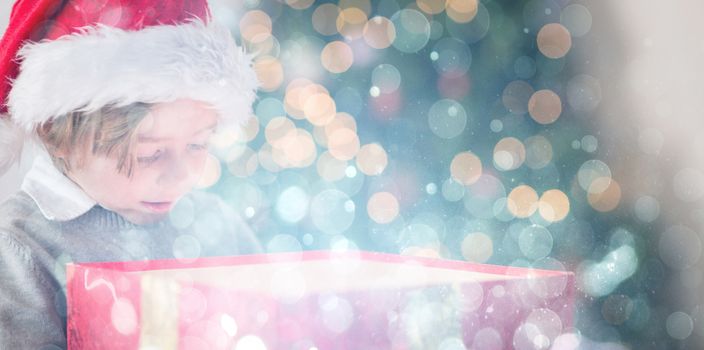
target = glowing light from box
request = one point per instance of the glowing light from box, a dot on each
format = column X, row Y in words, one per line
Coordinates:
column 337, row 313
column 229, row 325
column 250, row 342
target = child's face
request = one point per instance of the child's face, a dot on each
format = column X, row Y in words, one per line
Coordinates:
column 171, row 152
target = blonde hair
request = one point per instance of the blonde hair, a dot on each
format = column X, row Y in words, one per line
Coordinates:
column 109, row 131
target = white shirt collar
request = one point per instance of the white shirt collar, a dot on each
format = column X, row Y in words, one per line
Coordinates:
column 57, row 196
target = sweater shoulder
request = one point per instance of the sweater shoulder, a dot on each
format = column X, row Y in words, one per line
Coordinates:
column 16, row 210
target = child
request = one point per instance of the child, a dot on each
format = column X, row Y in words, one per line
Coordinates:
column 121, row 98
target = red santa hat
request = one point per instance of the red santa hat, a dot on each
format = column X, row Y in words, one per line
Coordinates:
column 59, row 56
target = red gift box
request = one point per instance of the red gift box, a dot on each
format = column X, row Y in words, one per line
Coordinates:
column 315, row 300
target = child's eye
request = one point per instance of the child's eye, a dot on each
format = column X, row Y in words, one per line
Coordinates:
column 198, row 146
column 150, row 159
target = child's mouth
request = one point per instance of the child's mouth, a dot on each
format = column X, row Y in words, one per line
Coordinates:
column 158, row 207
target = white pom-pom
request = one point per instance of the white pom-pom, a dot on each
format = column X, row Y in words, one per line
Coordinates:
column 12, row 139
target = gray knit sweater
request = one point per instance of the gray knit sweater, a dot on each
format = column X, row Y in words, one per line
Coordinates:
column 34, row 251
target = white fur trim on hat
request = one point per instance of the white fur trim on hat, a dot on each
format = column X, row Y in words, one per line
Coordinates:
column 104, row 65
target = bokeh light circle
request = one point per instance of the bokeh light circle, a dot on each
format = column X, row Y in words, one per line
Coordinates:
column 477, row 247
column 466, row 168
column 545, row 106
column 382, row 207
column 350, row 22
column 330, row 211
column 447, row 118
column 343, row 144
column 554, row 40
column 535, row 242
column 538, row 152
column 583, row 92
column 509, row 154
column 680, row 247
column 324, row 19
column 577, row 19
column 604, row 194
column 688, row 184
column 412, row 30
column 554, row 205
column 522, row 202
column 292, row 204
column 379, row 32
column 461, row 11
column 589, row 172
column 468, row 25
column 386, row 77
column 372, row 159
column 516, row 96
column 453, row 57
column 337, row 57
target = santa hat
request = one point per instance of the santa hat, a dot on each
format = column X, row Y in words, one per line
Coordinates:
column 58, row 56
